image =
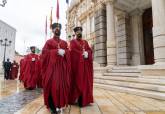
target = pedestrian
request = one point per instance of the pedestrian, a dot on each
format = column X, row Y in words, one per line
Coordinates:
column 31, row 69
column 7, row 69
column 56, row 71
column 14, row 70
column 81, row 89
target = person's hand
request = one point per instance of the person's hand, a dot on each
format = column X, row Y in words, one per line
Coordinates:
column 61, row 52
column 33, row 59
column 85, row 54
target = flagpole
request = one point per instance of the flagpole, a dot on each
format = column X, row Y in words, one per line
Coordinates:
column 46, row 29
column 51, row 20
column 67, row 18
column 24, row 48
column 57, row 11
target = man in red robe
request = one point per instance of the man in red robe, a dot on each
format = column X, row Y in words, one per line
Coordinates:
column 81, row 89
column 31, row 69
column 14, row 70
column 56, row 71
column 22, row 67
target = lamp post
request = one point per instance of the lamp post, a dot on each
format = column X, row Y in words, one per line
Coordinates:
column 5, row 43
column 3, row 3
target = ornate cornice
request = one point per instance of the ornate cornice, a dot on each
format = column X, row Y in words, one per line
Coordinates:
column 109, row 1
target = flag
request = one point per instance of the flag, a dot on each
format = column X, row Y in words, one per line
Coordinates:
column 67, row 1
column 51, row 19
column 46, row 28
column 57, row 11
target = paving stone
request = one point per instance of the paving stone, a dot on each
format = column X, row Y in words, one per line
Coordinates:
column 15, row 102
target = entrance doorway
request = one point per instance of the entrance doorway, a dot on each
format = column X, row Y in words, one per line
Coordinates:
column 148, row 36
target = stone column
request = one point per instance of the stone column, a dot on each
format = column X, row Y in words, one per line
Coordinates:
column 111, row 40
column 158, row 7
column 122, row 27
column 137, row 46
column 100, row 33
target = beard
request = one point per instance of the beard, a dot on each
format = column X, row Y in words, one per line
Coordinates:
column 57, row 33
column 79, row 35
column 33, row 51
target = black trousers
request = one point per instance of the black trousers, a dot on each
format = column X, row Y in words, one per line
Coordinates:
column 7, row 74
column 80, row 101
column 51, row 104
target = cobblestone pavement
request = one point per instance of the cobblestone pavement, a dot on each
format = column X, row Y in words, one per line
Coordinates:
column 15, row 102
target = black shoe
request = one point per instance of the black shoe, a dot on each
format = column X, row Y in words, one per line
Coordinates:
column 53, row 111
column 80, row 105
column 80, row 101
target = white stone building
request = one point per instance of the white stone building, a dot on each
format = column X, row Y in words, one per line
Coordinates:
column 7, row 31
column 129, row 41
column 123, row 29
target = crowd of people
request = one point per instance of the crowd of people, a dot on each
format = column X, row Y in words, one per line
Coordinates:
column 65, row 72
column 11, row 70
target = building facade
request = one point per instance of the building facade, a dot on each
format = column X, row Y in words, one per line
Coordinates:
column 126, row 32
column 7, row 31
column 129, row 41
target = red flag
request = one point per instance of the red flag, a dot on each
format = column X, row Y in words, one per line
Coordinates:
column 51, row 18
column 57, row 11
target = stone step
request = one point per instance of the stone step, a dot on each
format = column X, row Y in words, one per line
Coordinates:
column 98, row 75
column 145, row 93
column 142, row 86
column 153, row 77
column 125, row 68
column 100, row 70
column 124, row 71
column 122, row 74
column 132, row 79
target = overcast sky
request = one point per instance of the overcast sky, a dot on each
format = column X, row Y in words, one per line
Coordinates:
column 28, row 17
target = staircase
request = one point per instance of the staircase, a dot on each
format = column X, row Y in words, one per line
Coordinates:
column 128, row 80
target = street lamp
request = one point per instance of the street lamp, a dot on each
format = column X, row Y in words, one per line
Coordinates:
column 5, row 43
column 3, row 3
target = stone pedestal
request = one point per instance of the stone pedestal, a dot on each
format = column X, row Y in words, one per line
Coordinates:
column 111, row 40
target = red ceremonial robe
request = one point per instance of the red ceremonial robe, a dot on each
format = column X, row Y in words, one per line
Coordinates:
column 31, row 71
column 81, row 73
column 55, row 71
column 39, row 80
column 22, row 69
column 14, row 70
